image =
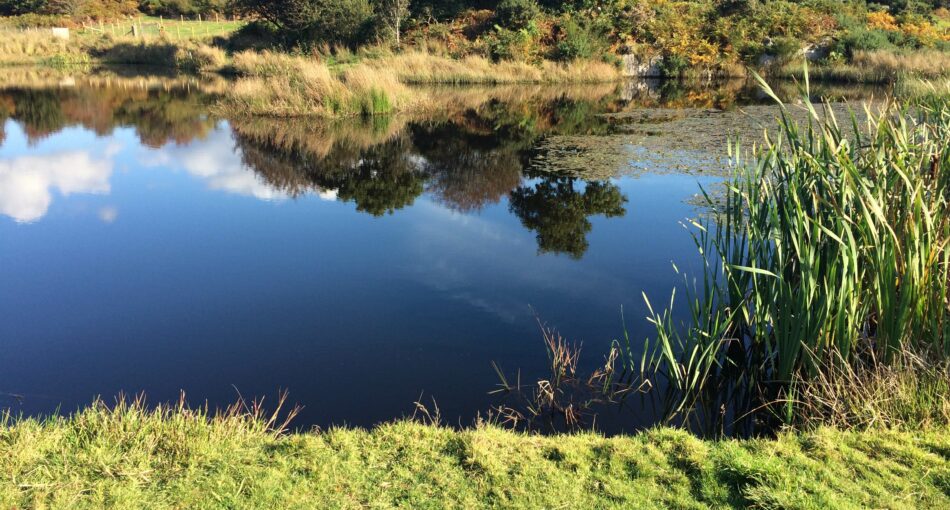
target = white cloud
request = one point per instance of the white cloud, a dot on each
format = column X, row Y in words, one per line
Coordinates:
column 108, row 214
column 26, row 182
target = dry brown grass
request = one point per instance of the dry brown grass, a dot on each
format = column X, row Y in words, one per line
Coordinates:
column 878, row 67
column 912, row 393
column 17, row 47
column 283, row 85
column 424, row 67
column 924, row 64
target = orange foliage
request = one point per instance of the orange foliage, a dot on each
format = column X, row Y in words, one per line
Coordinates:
column 881, row 20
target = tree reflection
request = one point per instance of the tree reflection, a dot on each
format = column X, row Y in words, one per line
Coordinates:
column 558, row 212
column 159, row 116
column 379, row 178
column 384, row 180
column 467, row 170
column 40, row 112
column 466, row 159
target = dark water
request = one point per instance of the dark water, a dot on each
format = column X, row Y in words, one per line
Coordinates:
column 147, row 245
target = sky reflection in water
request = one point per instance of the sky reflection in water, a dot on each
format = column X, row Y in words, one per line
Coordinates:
column 357, row 272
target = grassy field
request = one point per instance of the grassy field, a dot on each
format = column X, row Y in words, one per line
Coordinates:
column 178, row 458
column 175, row 29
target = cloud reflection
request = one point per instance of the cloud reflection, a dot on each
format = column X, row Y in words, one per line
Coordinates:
column 215, row 161
column 26, row 182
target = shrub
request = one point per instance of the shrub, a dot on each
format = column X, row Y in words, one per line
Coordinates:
column 578, row 41
column 784, row 49
column 674, row 65
column 863, row 40
column 507, row 44
column 881, row 20
column 255, row 35
column 17, row 7
column 516, row 14
column 313, row 22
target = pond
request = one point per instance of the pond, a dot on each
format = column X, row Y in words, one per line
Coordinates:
column 148, row 245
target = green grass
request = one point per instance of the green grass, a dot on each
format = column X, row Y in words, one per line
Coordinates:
column 175, row 29
column 178, row 458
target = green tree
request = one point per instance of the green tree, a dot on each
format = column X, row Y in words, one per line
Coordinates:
column 516, row 14
column 17, row 7
column 304, row 22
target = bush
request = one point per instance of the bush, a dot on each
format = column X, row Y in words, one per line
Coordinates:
column 507, row 44
column 313, row 22
column 516, row 14
column 578, row 41
column 256, row 35
column 674, row 65
column 863, row 40
column 784, row 49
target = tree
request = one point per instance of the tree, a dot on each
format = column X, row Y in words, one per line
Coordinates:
column 17, row 7
column 558, row 212
column 304, row 22
column 392, row 13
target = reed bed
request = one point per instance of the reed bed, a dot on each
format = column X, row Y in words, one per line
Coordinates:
column 832, row 242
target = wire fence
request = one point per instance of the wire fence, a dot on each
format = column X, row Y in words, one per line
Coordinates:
column 175, row 28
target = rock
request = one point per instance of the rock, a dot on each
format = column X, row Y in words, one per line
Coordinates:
column 766, row 60
column 813, row 52
column 642, row 67
column 641, row 90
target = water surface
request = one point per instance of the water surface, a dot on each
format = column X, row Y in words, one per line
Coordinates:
column 148, row 245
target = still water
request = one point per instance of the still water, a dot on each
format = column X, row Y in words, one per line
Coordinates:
column 148, row 245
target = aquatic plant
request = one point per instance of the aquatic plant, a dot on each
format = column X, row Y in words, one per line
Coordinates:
column 829, row 248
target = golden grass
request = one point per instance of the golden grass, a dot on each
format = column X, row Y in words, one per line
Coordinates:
column 283, row 85
column 923, row 64
column 879, row 66
column 50, row 77
column 17, row 47
column 186, row 55
column 423, row 67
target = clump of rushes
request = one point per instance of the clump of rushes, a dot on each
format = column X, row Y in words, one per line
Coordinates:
column 829, row 249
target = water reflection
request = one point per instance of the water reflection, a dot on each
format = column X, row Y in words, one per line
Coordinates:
column 27, row 182
column 382, row 257
column 549, row 153
column 558, row 212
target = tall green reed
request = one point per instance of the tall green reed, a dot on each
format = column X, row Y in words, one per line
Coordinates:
column 830, row 245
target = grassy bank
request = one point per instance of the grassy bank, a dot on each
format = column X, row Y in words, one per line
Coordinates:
column 283, row 85
column 127, row 458
column 873, row 67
